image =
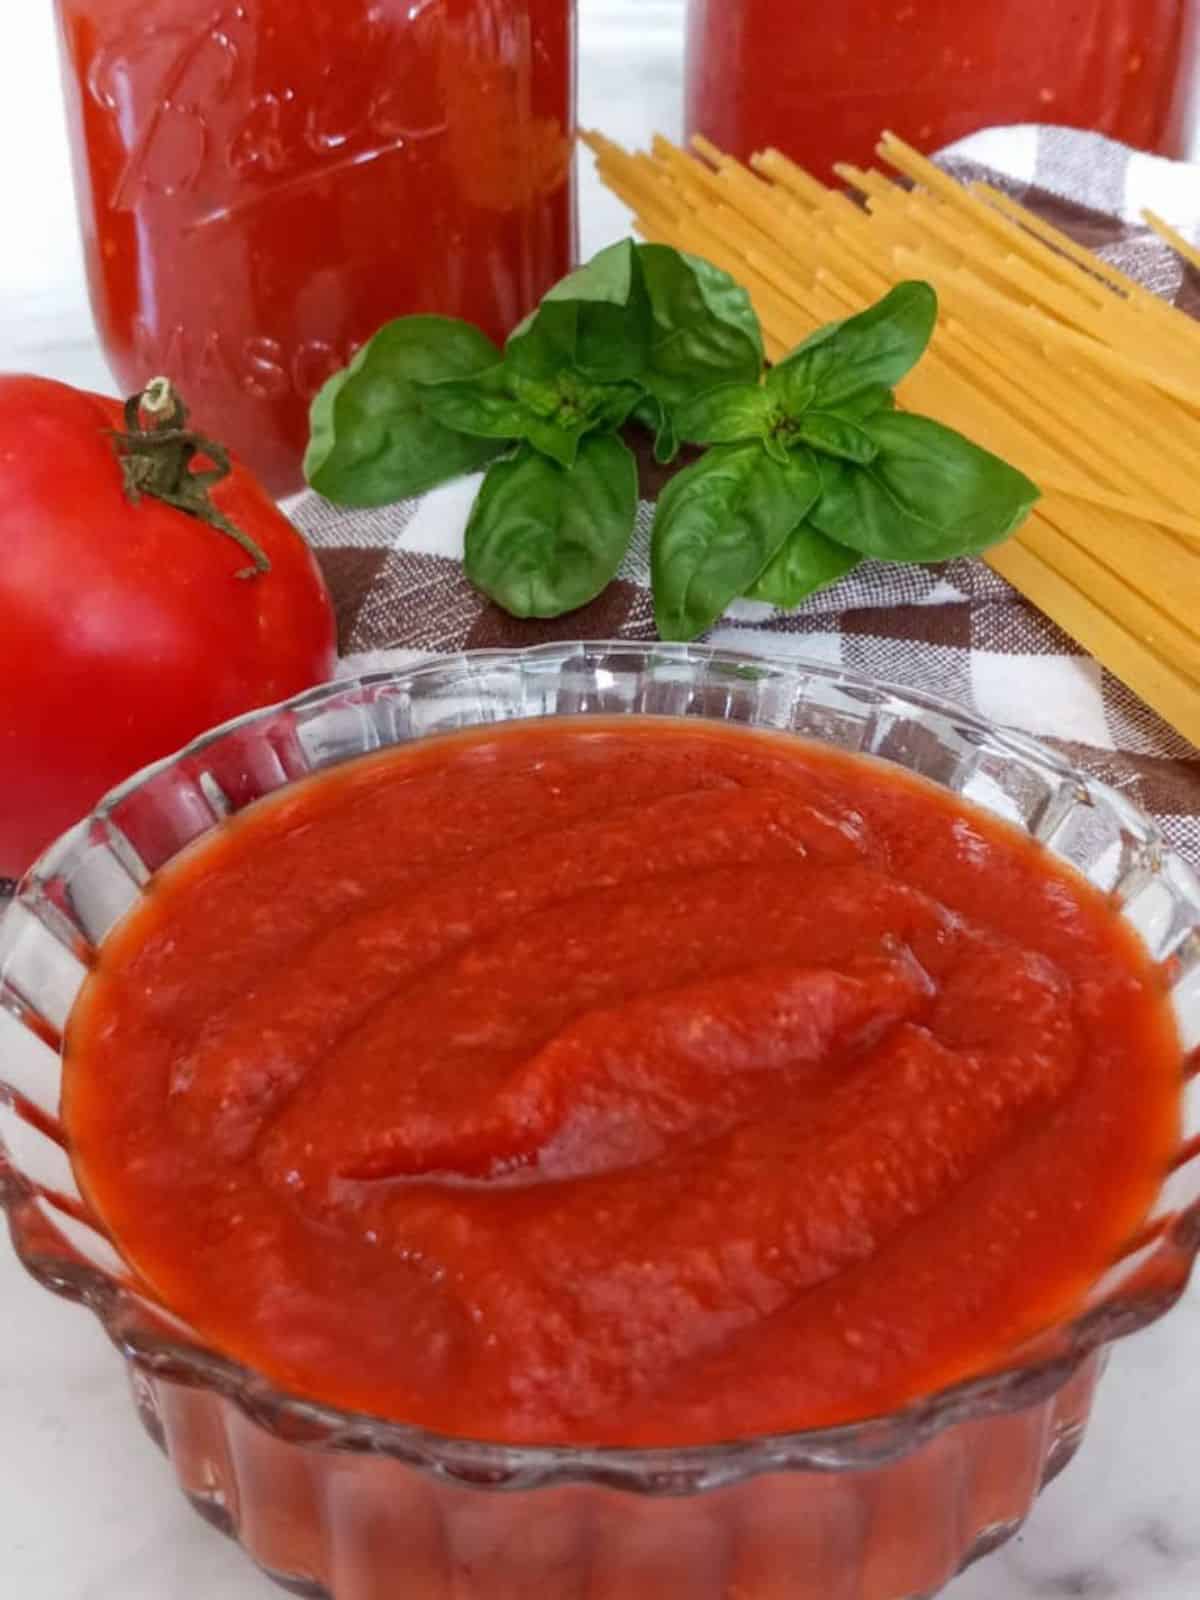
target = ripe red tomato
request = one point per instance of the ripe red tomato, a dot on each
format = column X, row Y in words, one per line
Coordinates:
column 125, row 628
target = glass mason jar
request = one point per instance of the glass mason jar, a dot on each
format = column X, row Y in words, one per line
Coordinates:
column 822, row 83
column 263, row 183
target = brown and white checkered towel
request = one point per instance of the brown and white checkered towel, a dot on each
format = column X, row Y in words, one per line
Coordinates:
column 957, row 630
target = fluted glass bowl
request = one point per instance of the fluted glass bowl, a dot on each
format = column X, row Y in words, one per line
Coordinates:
column 342, row 1505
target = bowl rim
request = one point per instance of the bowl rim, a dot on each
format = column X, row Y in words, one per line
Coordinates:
column 142, row 1331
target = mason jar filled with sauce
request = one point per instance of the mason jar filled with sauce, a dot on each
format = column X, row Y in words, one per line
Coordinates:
column 263, row 183
column 822, row 82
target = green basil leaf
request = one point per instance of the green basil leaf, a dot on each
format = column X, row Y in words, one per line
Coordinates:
column 718, row 525
column 730, row 414
column 610, row 405
column 486, row 404
column 868, row 402
column 674, row 323
column 612, row 342
column 929, row 494
column 648, row 413
column 652, row 414
column 791, row 388
column 605, row 343
column 806, row 562
column 372, row 441
column 596, row 320
column 487, row 407
column 544, row 539
column 704, row 330
column 608, row 276
column 545, row 343
column 552, row 439
column 876, row 348
column 834, row 436
column 666, row 443
column 553, row 415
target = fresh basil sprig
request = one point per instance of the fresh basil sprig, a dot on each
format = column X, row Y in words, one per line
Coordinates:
column 812, row 467
column 552, row 414
column 639, row 330
column 891, row 485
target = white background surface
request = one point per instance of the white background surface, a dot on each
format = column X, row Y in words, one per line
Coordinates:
column 87, row 1508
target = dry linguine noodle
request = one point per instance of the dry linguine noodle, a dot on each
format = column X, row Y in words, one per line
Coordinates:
column 1043, row 352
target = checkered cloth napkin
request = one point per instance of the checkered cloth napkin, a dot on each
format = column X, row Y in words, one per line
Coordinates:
column 956, row 629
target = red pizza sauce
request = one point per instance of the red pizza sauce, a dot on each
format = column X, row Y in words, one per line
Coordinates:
column 822, row 82
column 620, row 1080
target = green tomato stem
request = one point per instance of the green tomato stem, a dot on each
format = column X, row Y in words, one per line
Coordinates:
column 157, row 451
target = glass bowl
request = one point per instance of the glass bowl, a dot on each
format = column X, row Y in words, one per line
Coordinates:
column 335, row 1504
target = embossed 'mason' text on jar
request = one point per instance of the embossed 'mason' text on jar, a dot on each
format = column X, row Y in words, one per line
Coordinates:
column 262, row 184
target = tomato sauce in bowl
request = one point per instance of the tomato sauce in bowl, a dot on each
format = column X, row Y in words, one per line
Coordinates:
column 621, row 1080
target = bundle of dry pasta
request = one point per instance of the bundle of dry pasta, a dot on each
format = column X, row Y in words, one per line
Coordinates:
column 1043, row 353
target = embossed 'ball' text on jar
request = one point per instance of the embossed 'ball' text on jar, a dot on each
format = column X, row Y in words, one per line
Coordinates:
column 263, row 183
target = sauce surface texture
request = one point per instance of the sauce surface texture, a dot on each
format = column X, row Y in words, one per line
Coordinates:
column 619, row 1080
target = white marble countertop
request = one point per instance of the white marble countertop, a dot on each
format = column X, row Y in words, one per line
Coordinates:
column 87, row 1507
